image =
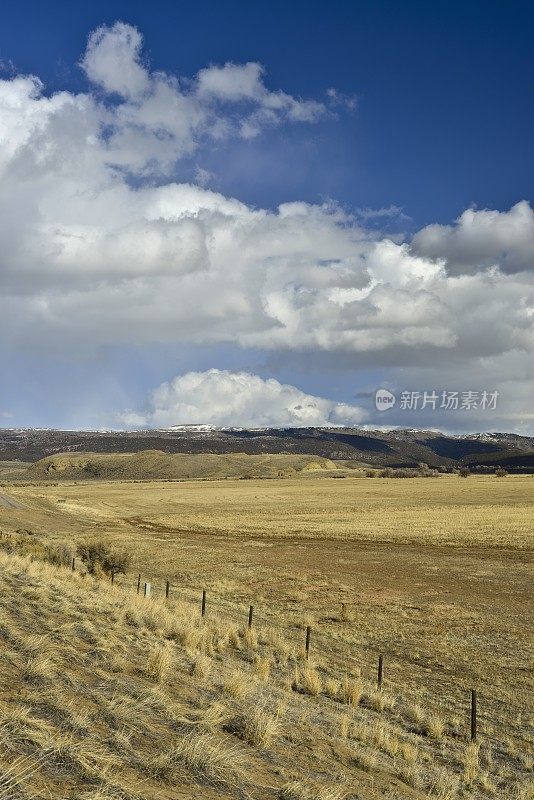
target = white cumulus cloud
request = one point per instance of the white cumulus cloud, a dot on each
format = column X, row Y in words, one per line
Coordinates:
column 162, row 117
column 113, row 60
column 226, row 399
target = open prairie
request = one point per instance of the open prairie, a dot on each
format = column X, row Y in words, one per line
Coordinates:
column 434, row 573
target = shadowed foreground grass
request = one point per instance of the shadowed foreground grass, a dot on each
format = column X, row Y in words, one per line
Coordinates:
column 105, row 695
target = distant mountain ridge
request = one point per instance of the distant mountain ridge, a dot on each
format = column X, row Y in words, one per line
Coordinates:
column 396, row 448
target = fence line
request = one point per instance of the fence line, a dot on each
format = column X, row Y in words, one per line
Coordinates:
column 333, row 645
column 459, row 695
column 232, row 609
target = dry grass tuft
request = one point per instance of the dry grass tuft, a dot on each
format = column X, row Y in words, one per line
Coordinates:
column 201, row 667
column 428, row 724
column 331, row 688
column 445, row 785
column 262, row 668
column 378, row 700
column 383, row 738
column 205, row 758
column 281, row 649
column 109, row 793
column 213, row 716
column 350, row 691
column 159, row 663
column 250, row 639
column 344, row 726
column 408, row 774
column 300, row 790
column 366, row 760
column 85, row 759
column 38, row 669
column 257, row 726
column 470, row 762
column 525, row 791
column 14, row 777
column 415, row 713
column 378, row 735
column 408, row 752
column 434, row 727
column 307, row 680
column 237, row 684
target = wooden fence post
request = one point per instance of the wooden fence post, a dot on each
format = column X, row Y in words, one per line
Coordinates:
column 380, row 670
column 73, row 563
column 112, row 577
column 167, row 590
column 308, row 638
column 148, row 589
column 473, row 715
column 203, row 607
column 138, row 583
column 250, row 613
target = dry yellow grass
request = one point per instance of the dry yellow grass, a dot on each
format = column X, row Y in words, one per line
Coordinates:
column 257, row 725
column 301, row 790
column 237, row 684
column 307, row 680
column 350, row 691
column 84, row 731
column 435, row 574
column 442, row 510
column 159, row 663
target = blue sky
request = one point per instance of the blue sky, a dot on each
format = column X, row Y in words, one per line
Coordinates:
column 445, row 113
column 432, row 115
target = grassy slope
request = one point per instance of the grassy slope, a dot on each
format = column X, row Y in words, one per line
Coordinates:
column 107, row 695
column 154, row 465
column 13, row 469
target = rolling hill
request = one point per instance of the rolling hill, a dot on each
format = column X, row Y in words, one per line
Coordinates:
column 157, row 465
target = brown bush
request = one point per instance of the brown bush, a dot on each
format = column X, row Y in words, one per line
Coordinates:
column 100, row 557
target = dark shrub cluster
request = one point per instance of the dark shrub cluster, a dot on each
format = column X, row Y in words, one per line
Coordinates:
column 99, row 556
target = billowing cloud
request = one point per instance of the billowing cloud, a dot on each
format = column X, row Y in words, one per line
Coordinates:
column 228, row 399
column 483, row 239
column 100, row 246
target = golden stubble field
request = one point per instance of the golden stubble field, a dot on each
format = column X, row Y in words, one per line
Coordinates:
column 435, row 573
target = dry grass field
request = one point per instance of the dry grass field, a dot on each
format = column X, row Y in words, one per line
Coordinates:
column 434, row 573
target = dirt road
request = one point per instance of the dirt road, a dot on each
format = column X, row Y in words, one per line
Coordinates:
column 9, row 502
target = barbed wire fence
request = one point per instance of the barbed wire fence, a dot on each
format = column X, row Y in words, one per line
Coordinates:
column 385, row 670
